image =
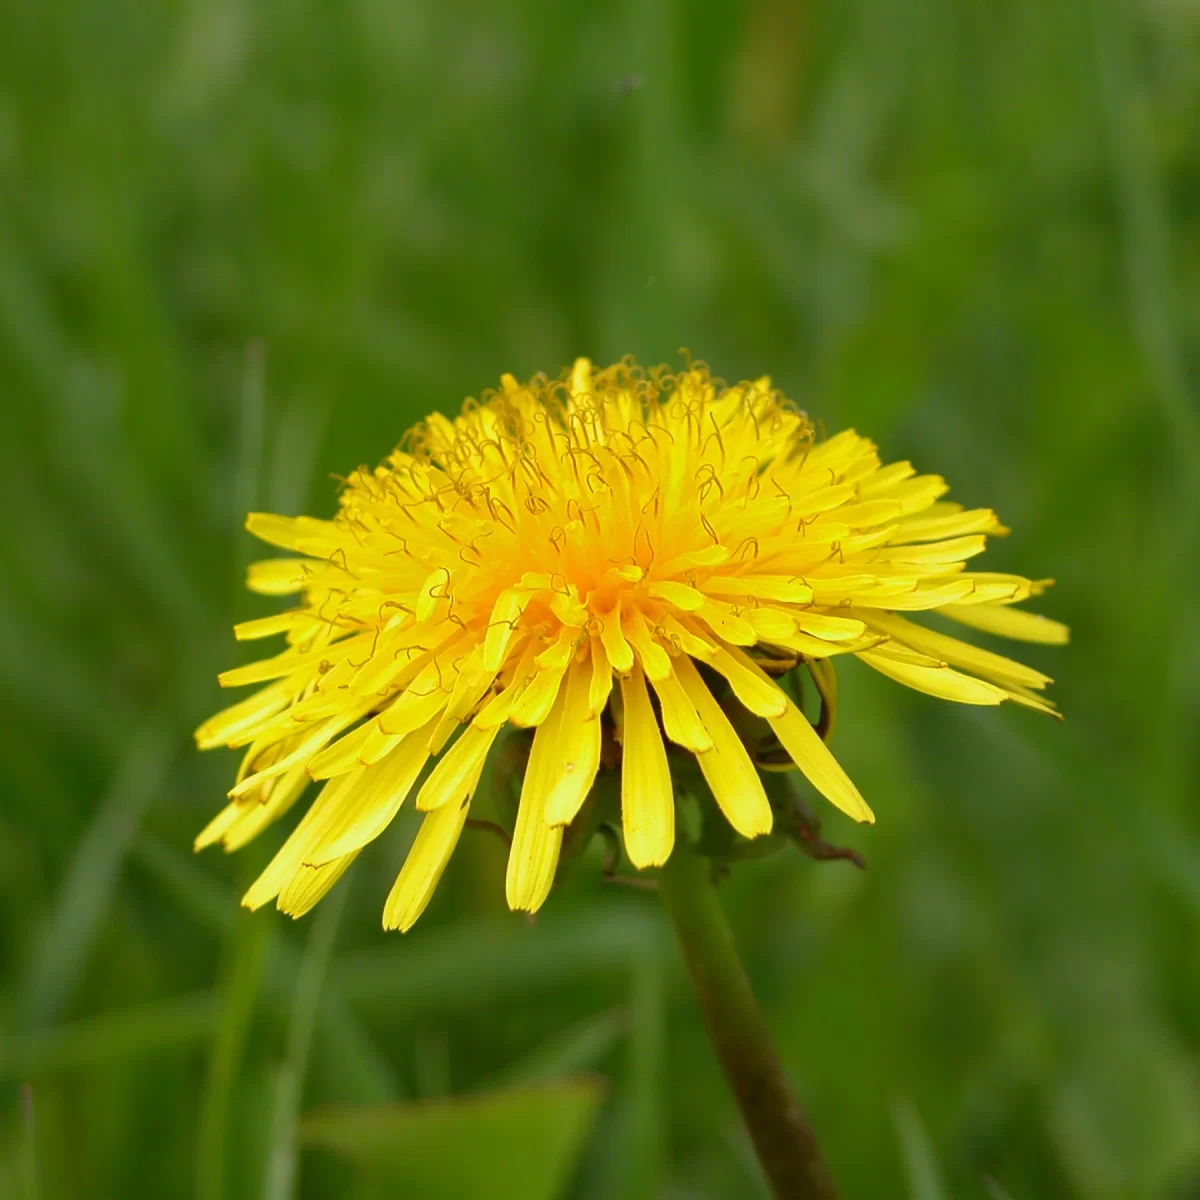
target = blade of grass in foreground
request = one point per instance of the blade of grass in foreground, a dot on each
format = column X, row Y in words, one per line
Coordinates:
column 91, row 879
column 496, row 958
column 31, row 1176
column 289, row 1084
column 1145, row 228
column 247, row 487
column 920, row 1167
column 994, row 1190
column 344, row 1046
column 636, row 1169
column 138, row 1030
column 239, row 996
column 580, row 1048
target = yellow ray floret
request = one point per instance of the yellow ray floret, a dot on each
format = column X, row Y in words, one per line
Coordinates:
column 680, row 539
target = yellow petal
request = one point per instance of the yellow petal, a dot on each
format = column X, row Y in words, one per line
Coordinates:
column 647, row 799
column 977, row 520
column 868, row 513
column 656, row 663
column 951, row 550
column 313, row 825
column 307, row 743
column 769, row 623
column 287, row 662
column 534, row 704
column 560, row 652
column 679, row 595
column 306, row 534
column 496, row 710
column 581, row 378
column 377, row 744
column 255, row 816
column 1029, row 699
column 423, row 868
column 886, row 477
column 450, row 779
column 727, row 768
column 342, row 755
column 942, row 681
column 917, row 493
column 898, row 652
column 510, row 604
column 687, row 639
column 997, row 587
column 243, row 716
column 311, row 884
column 829, row 627
column 620, row 655
column 412, row 709
column 279, row 576
column 249, row 631
column 276, row 530
column 578, row 749
column 824, row 499
column 756, row 691
column 1010, row 622
column 708, row 556
column 471, row 684
column 812, row 647
column 814, row 759
column 761, row 587
column 406, row 657
column 601, row 684
column 371, row 806
column 433, row 589
column 533, row 857
column 680, row 719
column 727, row 624
column 215, row 830
column 918, row 599
column 960, row 654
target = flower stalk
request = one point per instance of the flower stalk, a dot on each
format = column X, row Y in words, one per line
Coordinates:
column 784, row 1141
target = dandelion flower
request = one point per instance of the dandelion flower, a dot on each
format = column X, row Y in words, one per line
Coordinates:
column 625, row 562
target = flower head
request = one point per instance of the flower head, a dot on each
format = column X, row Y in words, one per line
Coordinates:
column 620, row 561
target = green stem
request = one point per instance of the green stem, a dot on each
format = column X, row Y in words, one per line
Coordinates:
column 783, row 1139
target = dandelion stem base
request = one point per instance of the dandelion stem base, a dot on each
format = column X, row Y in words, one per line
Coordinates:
column 783, row 1140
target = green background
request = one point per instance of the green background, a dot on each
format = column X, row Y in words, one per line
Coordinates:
column 244, row 245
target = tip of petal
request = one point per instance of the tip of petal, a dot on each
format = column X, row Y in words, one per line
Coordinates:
column 758, row 823
column 647, row 852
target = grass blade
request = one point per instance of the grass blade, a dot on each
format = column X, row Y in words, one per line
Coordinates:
column 111, row 1037
column 281, row 1158
column 343, row 1045
column 455, row 965
column 920, row 1166
column 637, row 1171
column 238, row 1000
column 31, row 1176
column 574, row 1051
column 92, row 876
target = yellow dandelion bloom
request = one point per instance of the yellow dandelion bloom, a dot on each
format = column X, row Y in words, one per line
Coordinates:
column 659, row 531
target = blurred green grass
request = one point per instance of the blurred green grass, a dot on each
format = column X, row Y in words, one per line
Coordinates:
column 243, row 246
